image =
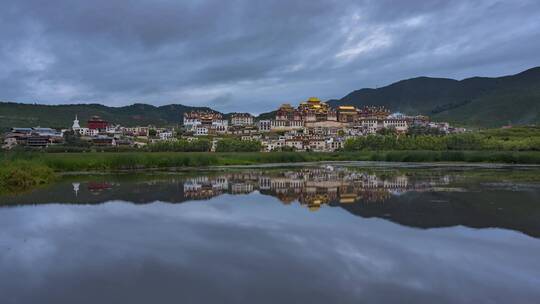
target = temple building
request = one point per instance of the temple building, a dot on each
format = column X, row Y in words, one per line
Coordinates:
column 315, row 110
column 205, row 122
column 309, row 114
column 374, row 112
column 287, row 118
column 96, row 123
column 347, row 114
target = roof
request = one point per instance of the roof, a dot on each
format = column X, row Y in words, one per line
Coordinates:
column 44, row 130
column 241, row 115
column 22, row 129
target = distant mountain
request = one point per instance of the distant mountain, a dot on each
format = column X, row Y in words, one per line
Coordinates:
column 477, row 101
column 61, row 116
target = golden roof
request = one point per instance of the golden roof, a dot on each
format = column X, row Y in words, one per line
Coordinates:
column 313, row 208
column 314, row 100
column 286, row 106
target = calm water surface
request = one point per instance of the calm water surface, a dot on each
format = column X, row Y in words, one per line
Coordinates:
column 320, row 234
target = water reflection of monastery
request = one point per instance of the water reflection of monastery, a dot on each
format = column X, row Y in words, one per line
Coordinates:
column 312, row 188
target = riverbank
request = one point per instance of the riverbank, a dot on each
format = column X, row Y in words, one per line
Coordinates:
column 110, row 161
column 24, row 170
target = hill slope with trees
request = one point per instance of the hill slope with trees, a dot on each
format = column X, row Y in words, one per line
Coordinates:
column 477, row 101
column 61, row 116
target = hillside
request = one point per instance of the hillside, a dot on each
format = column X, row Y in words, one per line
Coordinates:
column 61, row 116
column 477, row 101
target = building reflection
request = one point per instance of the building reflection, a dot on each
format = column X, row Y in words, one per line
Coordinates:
column 312, row 188
column 415, row 198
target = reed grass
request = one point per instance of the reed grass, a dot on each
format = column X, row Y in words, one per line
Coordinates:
column 20, row 175
column 24, row 170
column 69, row 162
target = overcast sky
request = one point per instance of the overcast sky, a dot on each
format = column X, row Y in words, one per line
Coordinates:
column 251, row 55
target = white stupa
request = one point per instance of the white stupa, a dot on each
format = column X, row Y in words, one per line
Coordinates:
column 76, row 125
column 76, row 188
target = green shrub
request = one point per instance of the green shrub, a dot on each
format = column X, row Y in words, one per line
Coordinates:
column 197, row 145
column 481, row 141
column 24, row 174
column 236, row 145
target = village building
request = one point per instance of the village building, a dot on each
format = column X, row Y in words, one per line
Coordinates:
column 9, row 143
column 241, row 119
column 103, row 141
column 400, row 125
column 370, row 126
column 37, row 141
column 32, row 137
column 201, row 131
column 418, row 120
column 264, row 125
column 242, row 130
column 88, row 132
column 165, row 134
column 269, row 145
column 135, row 131
column 317, row 144
column 295, row 143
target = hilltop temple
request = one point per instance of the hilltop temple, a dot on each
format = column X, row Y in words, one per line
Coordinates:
column 314, row 113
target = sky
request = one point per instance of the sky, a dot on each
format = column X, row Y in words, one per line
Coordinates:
column 251, row 55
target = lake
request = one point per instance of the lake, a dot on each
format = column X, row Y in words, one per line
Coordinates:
column 339, row 233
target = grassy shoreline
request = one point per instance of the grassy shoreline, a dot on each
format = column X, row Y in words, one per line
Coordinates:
column 26, row 170
column 110, row 161
column 21, row 171
column 16, row 176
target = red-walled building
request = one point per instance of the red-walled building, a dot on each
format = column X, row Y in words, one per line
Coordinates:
column 97, row 123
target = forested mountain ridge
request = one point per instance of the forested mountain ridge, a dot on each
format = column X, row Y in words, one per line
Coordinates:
column 477, row 101
column 61, row 116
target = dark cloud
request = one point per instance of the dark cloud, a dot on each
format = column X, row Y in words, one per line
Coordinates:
column 251, row 55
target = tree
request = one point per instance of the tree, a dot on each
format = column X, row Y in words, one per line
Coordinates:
column 198, row 145
column 73, row 139
column 236, row 145
column 423, row 130
column 288, row 149
column 387, row 131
